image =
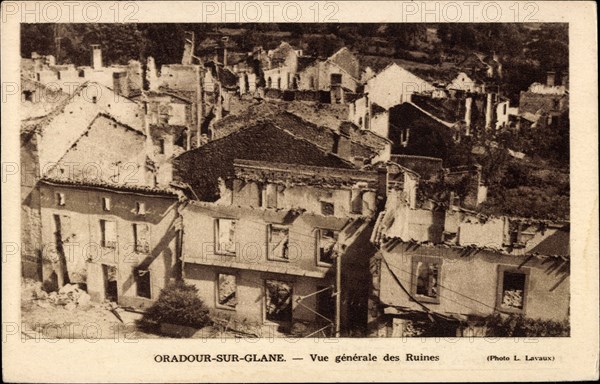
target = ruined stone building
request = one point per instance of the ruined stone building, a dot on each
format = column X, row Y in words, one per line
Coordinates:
column 119, row 241
column 546, row 105
column 280, row 66
column 442, row 265
column 338, row 74
column 484, row 66
column 124, row 80
column 341, row 137
column 392, row 86
column 268, row 255
column 289, row 213
column 92, row 135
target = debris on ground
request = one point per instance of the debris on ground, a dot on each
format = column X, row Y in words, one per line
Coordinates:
column 70, row 296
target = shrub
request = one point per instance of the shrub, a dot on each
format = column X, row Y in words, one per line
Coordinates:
column 520, row 326
column 178, row 304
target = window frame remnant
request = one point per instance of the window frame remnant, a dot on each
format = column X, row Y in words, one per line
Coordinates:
column 140, row 208
column 281, row 309
column 106, row 204
column 141, row 234
column 230, row 246
column 322, row 258
column 230, row 301
column 143, row 288
column 327, row 208
column 502, row 296
column 278, row 251
column 60, row 199
column 426, row 278
column 105, row 240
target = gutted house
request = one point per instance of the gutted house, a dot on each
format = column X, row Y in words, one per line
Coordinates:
column 339, row 73
column 119, row 241
column 442, row 270
column 331, row 133
column 290, row 238
column 280, row 66
column 66, row 134
column 263, row 141
column 392, row 86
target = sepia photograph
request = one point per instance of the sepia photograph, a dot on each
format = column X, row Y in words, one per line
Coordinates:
column 354, row 190
column 348, row 180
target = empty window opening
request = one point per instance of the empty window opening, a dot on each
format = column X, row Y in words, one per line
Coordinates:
column 140, row 237
column 426, row 276
column 512, row 290
column 60, row 199
column 161, row 146
column 110, row 283
column 226, row 291
column 278, row 301
column 142, row 283
column 336, row 79
column 140, row 208
column 108, row 233
column 106, row 203
column 327, row 208
column 225, row 236
column 326, row 246
column 278, row 240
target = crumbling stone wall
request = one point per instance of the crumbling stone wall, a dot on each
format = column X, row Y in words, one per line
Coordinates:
column 31, row 242
column 263, row 142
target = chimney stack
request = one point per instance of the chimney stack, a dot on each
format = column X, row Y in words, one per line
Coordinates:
column 468, row 114
column 224, row 40
column 343, row 146
column 120, row 86
column 96, row 56
column 188, row 48
column 551, row 79
column 489, row 111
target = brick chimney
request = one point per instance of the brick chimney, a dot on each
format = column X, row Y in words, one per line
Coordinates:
column 96, row 56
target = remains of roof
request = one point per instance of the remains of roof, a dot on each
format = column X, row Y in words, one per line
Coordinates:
column 165, row 92
column 446, row 110
column 322, row 136
column 114, row 187
column 303, row 174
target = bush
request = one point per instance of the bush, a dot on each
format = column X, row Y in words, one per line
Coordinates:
column 520, row 326
column 178, row 304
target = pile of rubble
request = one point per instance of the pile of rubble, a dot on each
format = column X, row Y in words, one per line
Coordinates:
column 69, row 296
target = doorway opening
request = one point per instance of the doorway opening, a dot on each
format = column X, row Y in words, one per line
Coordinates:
column 110, row 283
